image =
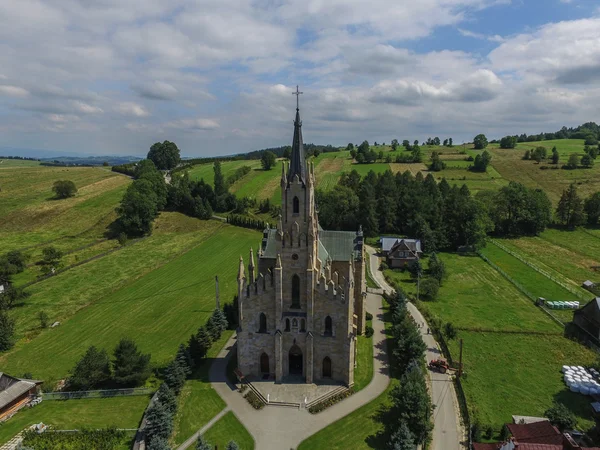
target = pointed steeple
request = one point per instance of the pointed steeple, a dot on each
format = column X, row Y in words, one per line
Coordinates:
column 241, row 271
column 298, row 158
column 251, row 268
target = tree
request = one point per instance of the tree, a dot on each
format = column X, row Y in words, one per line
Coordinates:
column 232, row 445
column 482, row 161
column 350, row 147
column 316, row 152
column 504, row 433
column 201, row 444
column 508, row 142
column 592, row 208
column 555, row 155
column 64, row 189
column 436, row 162
column 527, row 155
column 159, row 443
column 402, row 439
column 184, row 359
column 480, row 142
column 268, row 160
column 51, row 258
column 159, row 422
column 130, row 366
column 538, row 154
column 91, row 371
column 573, row 162
column 138, row 208
column 43, row 318
column 219, row 180
column 587, row 161
column 7, row 331
column 220, row 319
column 175, row 376
column 415, row 269
column 167, row 398
column 287, row 153
column 437, row 268
column 165, row 156
column 429, row 288
column 416, row 154
column 450, row 144
column 353, row 154
column 449, row 330
column 570, row 211
column 406, row 144
column 561, row 417
column 394, row 144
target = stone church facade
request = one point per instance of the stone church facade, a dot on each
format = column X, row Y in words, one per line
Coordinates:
column 302, row 306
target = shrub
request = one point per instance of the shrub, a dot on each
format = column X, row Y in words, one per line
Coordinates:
column 330, row 401
column 430, row 288
column 489, row 432
column 383, row 266
column 43, row 317
column 560, row 416
column 64, row 189
column 253, row 399
column 369, row 331
column 368, row 316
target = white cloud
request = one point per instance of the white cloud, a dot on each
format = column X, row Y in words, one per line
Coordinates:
column 194, row 124
column 13, row 91
column 88, row 109
column 156, row 90
column 132, row 109
column 492, row 38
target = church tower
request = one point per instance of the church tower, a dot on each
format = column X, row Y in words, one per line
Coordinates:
column 301, row 307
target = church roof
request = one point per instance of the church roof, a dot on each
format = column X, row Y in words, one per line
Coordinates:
column 297, row 158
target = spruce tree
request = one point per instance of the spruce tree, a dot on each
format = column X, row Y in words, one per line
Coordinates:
column 204, row 339
column 7, row 331
column 159, row 443
column 175, row 376
column 213, row 329
column 201, row 444
column 196, row 351
column 220, row 320
column 92, row 370
column 159, row 422
column 167, row 398
column 402, row 439
column 232, row 445
column 130, row 366
column 184, row 359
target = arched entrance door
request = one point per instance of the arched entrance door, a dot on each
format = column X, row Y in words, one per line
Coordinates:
column 327, row 367
column 295, row 360
column 264, row 363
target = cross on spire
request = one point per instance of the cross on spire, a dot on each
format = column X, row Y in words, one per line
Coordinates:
column 297, row 94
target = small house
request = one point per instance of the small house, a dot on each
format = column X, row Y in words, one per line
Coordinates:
column 589, row 285
column 15, row 393
column 588, row 319
column 400, row 252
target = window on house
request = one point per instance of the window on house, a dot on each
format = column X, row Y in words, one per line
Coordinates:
column 296, row 205
column 328, row 326
column 295, row 291
column 262, row 323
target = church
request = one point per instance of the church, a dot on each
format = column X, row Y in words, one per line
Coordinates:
column 302, row 304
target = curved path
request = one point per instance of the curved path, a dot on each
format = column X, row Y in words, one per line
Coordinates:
column 280, row 428
column 447, row 431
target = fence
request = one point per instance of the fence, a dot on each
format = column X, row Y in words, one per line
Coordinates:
column 537, row 269
column 532, row 297
column 96, row 394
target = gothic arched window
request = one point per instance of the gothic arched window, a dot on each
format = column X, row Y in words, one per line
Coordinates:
column 262, row 323
column 327, row 367
column 296, row 205
column 295, row 325
column 328, row 326
column 287, row 324
column 302, row 325
column 295, row 291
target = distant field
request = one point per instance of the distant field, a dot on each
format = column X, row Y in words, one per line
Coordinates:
column 30, row 216
column 10, row 163
column 511, row 166
column 121, row 412
column 159, row 310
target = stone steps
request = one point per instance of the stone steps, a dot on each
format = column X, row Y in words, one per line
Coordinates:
column 325, row 397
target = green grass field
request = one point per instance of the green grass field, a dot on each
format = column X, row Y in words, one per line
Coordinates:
column 229, row 428
column 509, row 163
column 120, row 412
column 158, row 308
column 364, row 361
column 513, row 352
column 198, row 402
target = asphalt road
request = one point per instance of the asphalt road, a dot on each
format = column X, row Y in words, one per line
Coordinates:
column 447, row 431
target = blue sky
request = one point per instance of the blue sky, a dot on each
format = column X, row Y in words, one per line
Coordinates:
column 216, row 76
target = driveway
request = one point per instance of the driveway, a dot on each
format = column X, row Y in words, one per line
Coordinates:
column 447, row 431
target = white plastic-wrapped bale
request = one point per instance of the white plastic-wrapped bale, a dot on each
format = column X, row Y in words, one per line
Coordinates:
column 564, row 369
column 574, row 387
column 584, row 390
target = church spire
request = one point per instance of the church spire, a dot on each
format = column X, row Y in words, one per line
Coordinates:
column 297, row 159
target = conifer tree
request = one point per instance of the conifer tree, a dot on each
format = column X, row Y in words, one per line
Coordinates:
column 159, row 422
column 213, row 329
column 402, row 439
column 175, row 376
column 220, row 320
column 184, row 359
column 570, row 211
column 201, row 444
column 130, row 366
column 92, row 370
column 159, row 444
column 232, row 445
column 7, row 331
column 167, row 398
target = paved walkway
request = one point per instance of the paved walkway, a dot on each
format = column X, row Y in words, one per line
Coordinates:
column 280, row 428
column 192, row 439
column 447, row 432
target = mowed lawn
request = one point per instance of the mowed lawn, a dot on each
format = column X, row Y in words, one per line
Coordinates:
column 534, row 282
column 159, row 310
column 228, row 428
column 120, row 412
column 198, row 402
